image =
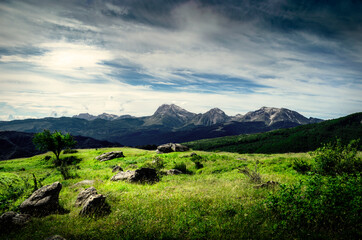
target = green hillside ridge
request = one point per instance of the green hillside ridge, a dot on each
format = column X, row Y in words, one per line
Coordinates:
column 298, row 139
column 215, row 201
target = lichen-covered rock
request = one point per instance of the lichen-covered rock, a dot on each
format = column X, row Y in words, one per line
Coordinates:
column 122, row 176
column 171, row 147
column 43, row 201
column 55, row 237
column 12, row 220
column 95, row 205
column 117, row 169
column 173, row 172
column 144, row 175
column 84, row 182
column 84, row 195
column 110, row 155
column 139, row 175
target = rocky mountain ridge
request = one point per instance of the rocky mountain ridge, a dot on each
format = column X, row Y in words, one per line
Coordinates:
column 174, row 116
column 169, row 123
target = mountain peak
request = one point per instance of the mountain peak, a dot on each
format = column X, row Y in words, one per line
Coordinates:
column 170, row 115
column 211, row 117
column 168, row 108
column 271, row 115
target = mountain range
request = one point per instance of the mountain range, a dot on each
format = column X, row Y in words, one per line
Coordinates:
column 169, row 123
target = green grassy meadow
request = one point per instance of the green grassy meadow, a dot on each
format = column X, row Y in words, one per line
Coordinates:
column 213, row 202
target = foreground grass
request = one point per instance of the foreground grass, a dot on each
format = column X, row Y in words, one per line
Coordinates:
column 214, row 202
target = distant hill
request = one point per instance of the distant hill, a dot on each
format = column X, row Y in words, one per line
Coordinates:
column 19, row 144
column 169, row 123
column 299, row 139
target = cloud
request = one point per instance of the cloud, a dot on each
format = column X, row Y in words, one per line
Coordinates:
column 128, row 57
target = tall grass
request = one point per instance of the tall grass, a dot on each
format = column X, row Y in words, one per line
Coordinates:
column 212, row 202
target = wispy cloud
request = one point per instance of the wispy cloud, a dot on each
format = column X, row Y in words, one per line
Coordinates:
column 128, row 57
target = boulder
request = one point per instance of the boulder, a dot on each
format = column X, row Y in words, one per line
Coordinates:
column 43, row 201
column 84, row 195
column 84, row 182
column 173, row 172
column 122, row 176
column 95, row 205
column 55, row 237
column 110, row 155
column 117, row 169
column 11, row 220
column 171, row 147
column 144, row 175
column 132, row 166
column 179, row 148
column 139, row 175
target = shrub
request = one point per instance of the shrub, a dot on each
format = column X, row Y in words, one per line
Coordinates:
column 321, row 207
column 180, row 166
column 67, row 171
column 69, row 150
column 197, row 160
column 301, row 166
column 157, row 164
column 253, row 175
column 336, row 159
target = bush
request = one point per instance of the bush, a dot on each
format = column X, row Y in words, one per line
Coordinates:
column 157, row 164
column 336, row 159
column 253, row 175
column 322, row 207
column 197, row 160
column 180, row 166
column 68, row 150
column 72, row 160
column 301, row 166
column 67, row 171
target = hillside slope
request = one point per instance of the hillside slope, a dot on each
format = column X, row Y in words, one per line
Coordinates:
column 19, row 144
column 299, row 139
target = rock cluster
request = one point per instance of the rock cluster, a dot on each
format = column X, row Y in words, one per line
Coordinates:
column 43, row 201
column 173, row 172
column 11, row 220
column 171, row 147
column 140, row 175
column 92, row 202
column 110, row 155
column 55, row 237
column 117, row 169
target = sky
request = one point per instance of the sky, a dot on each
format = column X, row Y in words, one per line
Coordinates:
column 64, row 57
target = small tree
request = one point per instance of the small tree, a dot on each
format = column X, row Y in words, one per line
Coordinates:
column 55, row 142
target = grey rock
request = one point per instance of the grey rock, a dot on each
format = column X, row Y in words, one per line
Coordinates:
column 110, row 155
column 43, row 201
column 117, row 169
column 132, row 166
column 144, row 175
column 55, row 237
column 173, row 172
column 122, row 176
column 11, row 220
column 171, row 147
column 84, row 195
column 84, row 182
column 139, row 175
column 95, row 205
